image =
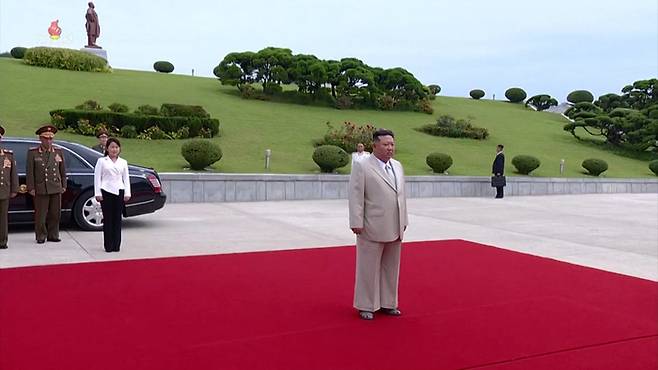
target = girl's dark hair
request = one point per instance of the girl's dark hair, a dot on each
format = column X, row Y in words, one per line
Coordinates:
column 110, row 141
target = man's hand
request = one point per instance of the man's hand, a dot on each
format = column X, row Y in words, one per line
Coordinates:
column 13, row 195
column 33, row 193
column 357, row 230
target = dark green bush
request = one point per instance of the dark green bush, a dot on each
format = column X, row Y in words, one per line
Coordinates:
column 18, row 52
column 447, row 126
column 434, row 89
column 439, row 162
column 5, row 54
column 580, row 96
column 91, row 105
column 477, row 94
column 129, row 132
column 653, row 166
column 118, row 107
column 147, row 110
column 197, row 126
column 525, row 164
column 247, row 91
column 201, row 153
column 595, row 166
column 69, row 59
column 515, row 94
column 182, row 110
column 163, row 66
column 330, row 157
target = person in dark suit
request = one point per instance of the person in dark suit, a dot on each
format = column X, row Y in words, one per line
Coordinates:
column 498, row 170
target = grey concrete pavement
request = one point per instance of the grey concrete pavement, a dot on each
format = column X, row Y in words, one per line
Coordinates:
column 614, row 232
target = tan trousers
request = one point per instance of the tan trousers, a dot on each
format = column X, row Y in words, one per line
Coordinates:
column 377, row 272
column 47, row 212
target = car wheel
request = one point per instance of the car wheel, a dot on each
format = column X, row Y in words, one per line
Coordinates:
column 87, row 212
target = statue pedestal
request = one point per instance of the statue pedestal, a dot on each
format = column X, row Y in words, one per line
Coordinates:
column 99, row 52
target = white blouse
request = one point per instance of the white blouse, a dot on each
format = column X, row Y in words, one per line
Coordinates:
column 111, row 176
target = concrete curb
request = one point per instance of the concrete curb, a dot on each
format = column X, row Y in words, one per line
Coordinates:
column 219, row 187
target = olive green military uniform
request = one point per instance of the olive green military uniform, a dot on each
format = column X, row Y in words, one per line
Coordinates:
column 8, row 187
column 46, row 175
column 99, row 148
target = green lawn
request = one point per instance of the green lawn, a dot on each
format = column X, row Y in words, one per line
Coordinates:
column 249, row 127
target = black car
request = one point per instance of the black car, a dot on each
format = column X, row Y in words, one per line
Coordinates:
column 78, row 202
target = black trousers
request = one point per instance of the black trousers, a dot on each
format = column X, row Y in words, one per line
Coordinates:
column 499, row 191
column 112, row 206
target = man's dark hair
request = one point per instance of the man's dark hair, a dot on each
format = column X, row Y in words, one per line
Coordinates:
column 501, row 146
column 381, row 132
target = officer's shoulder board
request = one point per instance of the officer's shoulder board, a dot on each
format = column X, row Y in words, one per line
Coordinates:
column 9, row 151
column 34, row 148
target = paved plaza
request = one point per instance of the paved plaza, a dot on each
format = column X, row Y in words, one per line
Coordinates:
column 614, row 232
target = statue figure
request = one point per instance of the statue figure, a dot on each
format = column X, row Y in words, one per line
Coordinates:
column 93, row 28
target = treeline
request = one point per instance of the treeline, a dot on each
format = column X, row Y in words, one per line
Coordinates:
column 347, row 83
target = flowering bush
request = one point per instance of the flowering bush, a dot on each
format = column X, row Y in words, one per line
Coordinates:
column 347, row 136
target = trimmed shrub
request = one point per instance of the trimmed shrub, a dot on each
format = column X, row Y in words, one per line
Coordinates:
column 129, row 132
column 447, row 126
column 5, row 54
column 653, row 166
column 439, row 162
column 595, row 166
column 525, row 164
column 580, row 96
column 91, row 105
column 515, row 94
column 147, row 110
column 18, row 52
column 477, row 94
column 182, row 110
column 201, row 153
column 198, row 126
column 330, row 157
column 163, row 66
column 434, row 89
column 68, row 59
column 153, row 133
column 118, row 107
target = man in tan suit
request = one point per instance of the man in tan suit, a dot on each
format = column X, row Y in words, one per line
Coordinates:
column 378, row 217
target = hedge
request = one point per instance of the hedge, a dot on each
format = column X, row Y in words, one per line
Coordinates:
column 515, row 94
column 69, row 59
column 653, row 166
column 18, row 52
column 330, row 157
column 70, row 117
column 439, row 162
column 525, row 164
column 181, row 110
column 201, row 153
column 595, row 166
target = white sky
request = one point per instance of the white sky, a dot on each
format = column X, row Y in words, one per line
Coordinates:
column 599, row 45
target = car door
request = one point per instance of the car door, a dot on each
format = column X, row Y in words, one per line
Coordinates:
column 21, row 208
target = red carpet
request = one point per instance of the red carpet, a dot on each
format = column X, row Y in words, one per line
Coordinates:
column 465, row 305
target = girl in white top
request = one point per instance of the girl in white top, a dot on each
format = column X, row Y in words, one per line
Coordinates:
column 112, row 190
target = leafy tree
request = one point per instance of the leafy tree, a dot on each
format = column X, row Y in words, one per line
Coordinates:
column 515, row 94
column 237, row 69
column 434, row 89
column 608, row 102
column 579, row 96
column 271, row 66
column 641, row 94
column 541, row 102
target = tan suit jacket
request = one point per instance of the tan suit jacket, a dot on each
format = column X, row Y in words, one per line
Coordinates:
column 375, row 203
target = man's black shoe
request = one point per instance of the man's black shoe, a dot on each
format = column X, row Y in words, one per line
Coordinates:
column 56, row 240
column 3, row 247
column 40, row 241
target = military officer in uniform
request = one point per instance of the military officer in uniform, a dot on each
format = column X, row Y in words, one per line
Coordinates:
column 8, row 188
column 46, row 181
column 102, row 137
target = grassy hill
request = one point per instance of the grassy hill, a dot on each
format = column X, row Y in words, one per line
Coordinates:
column 249, row 127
